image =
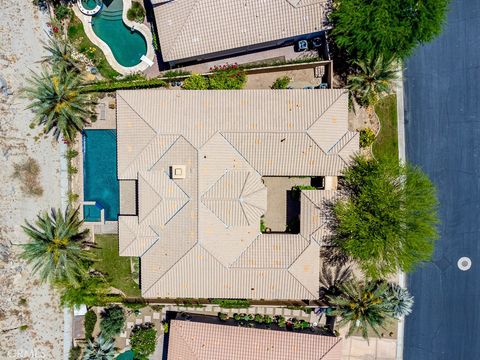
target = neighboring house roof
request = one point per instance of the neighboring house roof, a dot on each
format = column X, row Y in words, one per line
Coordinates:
column 190, row 28
column 203, row 341
column 199, row 236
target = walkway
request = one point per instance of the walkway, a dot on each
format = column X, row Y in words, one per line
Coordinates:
column 443, row 136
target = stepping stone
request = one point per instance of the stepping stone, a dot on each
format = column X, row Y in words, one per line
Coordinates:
column 269, row 311
column 260, row 310
column 127, row 342
column 138, row 321
column 129, row 325
column 278, row 311
column 123, row 334
column 251, row 310
column 156, row 316
column 147, row 319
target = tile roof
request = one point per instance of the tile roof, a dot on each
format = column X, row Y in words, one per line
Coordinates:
column 203, row 341
column 191, row 28
column 199, row 236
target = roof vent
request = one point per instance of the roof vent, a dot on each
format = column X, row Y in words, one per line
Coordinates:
column 177, row 171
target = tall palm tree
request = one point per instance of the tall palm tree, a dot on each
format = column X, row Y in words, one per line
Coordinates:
column 60, row 54
column 362, row 306
column 101, row 349
column 57, row 247
column 374, row 78
column 58, row 102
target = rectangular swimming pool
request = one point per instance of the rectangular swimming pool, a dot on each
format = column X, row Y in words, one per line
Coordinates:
column 100, row 182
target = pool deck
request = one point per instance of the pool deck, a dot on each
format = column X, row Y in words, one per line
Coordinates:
column 142, row 28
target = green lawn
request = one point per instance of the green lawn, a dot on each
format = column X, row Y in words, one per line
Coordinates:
column 386, row 142
column 77, row 36
column 117, row 268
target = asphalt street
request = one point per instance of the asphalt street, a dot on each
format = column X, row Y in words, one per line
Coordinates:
column 442, row 121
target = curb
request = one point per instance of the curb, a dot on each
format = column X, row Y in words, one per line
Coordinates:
column 402, row 156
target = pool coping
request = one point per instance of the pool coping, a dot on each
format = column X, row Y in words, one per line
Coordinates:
column 142, row 28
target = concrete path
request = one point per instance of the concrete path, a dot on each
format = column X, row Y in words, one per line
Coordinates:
column 442, row 122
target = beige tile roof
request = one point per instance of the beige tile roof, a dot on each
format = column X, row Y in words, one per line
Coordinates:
column 203, row 341
column 199, row 236
column 191, row 28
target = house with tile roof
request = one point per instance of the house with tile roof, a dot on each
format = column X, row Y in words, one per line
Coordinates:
column 196, row 30
column 204, row 341
column 190, row 166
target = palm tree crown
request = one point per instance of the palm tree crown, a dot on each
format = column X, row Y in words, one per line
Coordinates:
column 58, row 102
column 100, row 349
column 362, row 306
column 373, row 79
column 57, row 247
column 60, row 54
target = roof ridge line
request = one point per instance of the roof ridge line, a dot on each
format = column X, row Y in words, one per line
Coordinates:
column 175, row 263
column 328, row 108
column 243, row 252
column 338, row 339
column 294, row 261
column 239, row 153
column 185, row 340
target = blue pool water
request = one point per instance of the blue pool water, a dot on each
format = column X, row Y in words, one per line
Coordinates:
column 127, row 355
column 100, row 182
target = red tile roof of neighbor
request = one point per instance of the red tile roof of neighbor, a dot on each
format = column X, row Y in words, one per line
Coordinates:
column 201, row 341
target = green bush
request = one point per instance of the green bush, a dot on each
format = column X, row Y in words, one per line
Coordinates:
column 63, row 12
column 231, row 303
column 110, row 86
column 136, row 12
column 259, row 318
column 71, row 153
column 223, row 316
column 75, row 353
column 386, row 27
column 143, row 340
column 90, row 321
column 388, row 220
column 281, row 83
column 72, row 170
column 367, row 137
column 195, row 82
column 23, row 328
column 113, row 320
column 227, row 77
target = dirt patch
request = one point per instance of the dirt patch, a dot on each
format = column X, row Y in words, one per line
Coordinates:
column 28, row 173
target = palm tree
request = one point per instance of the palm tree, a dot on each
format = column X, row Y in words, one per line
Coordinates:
column 91, row 291
column 57, row 247
column 363, row 306
column 60, row 54
column 373, row 79
column 332, row 277
column 58, row 102
column 100, row 349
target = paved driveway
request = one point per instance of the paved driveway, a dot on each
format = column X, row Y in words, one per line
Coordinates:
column 443, row 136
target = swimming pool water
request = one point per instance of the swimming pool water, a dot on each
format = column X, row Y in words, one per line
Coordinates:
column 92, row 213
column 89, row 4
column 100, row 182
column 127, row 46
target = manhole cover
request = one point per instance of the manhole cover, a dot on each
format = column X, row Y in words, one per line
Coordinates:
column 464, row 263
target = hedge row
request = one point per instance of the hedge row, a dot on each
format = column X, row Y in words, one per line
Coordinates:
column 108, row 86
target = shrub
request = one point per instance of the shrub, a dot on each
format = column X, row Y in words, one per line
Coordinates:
column 110, row 86
column 268, row 319
column 231, row 303
column 388, row 220
column 75, row 353
column 172, row 74
column 237, row 317
column 259, row 318
column 165, row 328
column 28, row 173
column 386, row 27
column 113, row 320
column 90, row 321
column 223, row 316
column 143, row 340
column 195, row 82
column 136, row 12
column 227, row 77
column 91, row 291
column 23, row 328
column 367, row 137
column 72, row 170
column 281, row 83
column 72, row 197
column 63, row 12
column 71, row 153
